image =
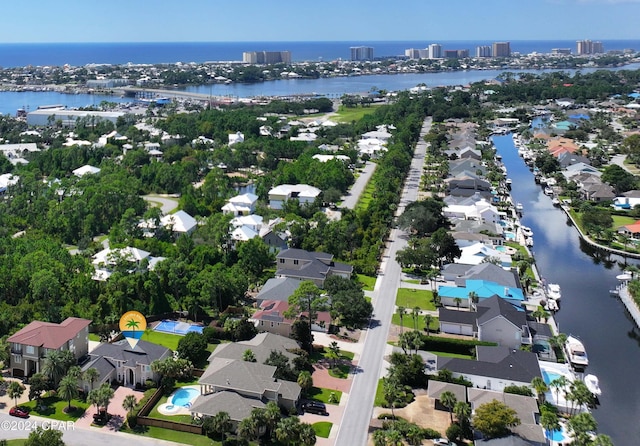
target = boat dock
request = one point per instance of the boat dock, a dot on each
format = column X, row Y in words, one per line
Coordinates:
column 628, row 302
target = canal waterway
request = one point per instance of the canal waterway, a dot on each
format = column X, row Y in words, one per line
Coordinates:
column 587, row 310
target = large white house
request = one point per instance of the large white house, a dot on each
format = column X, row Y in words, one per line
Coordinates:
column 301, row 192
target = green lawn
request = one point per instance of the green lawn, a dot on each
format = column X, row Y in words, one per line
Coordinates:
column 368, row 282
column 321, row 394
column 177, row 418
column 379, row 399
column 168, row 340
column 367, row 194
column 619, row 220
column 94, row 337
column 451, row 355
column 347, row 115
column 322, row 428
column 53, row 408
column 340, row 371
column 407, row 322
column 19, row 442
column 411, row 298
column 413, row 281
column 171, row 435
column 318, row 355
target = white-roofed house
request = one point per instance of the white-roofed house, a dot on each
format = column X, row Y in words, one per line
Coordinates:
column 301, row 192
column 325, row 158
column 244, row 204
column 235, row 138
column 105, row 260
column 180, row 222
column 86, row 170
column 7, row 180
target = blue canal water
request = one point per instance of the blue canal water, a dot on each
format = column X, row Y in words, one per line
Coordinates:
column 587, row 309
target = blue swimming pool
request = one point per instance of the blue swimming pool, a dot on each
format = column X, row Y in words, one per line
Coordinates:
column 184, row 396
column 556, row 436
column 509, row 236
column 177, row 327
column 550, row 376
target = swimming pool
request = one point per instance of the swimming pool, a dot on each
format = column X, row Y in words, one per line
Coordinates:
column 550, row 376
column 510, row 235
column 184, row 396
column 177, row 327
column 557, row 436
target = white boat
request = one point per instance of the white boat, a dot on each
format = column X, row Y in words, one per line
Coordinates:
column 526, row 231
column 553, row 291
column 519, row 207
column 529, row 242
column 591, row 381
column 555, row 201
column 508, row 182
column 576, row 353
column 551, row 305
column 548, row 191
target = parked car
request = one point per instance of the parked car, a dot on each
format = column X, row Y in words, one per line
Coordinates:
column 443, row 442
column 18, row 412
column 315, row 407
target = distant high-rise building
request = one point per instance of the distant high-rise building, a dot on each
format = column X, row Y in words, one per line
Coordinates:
column 501, row 49
column 266, row 57
column 414, row 53
column 435, row 51
column 483, row 51
column 361, row 53
column 584, row 47
column 456, row 54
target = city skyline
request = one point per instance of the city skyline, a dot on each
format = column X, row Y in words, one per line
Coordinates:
column 204, row 21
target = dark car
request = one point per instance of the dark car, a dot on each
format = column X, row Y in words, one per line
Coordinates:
column 315, row 407
column 18, row 412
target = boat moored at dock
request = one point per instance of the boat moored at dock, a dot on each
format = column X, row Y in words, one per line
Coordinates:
column 576, row 353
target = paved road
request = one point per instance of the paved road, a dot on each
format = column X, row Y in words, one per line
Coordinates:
column 352, row 198
column 354, row 427
column 166, row 204
column 74, row 437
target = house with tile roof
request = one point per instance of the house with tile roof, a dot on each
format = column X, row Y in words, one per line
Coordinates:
column 632, row 230
column 30, row 345
column 128, row 365
column 314, row 266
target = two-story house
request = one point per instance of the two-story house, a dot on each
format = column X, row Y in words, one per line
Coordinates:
column 129, row 366
column 314, row 266
column 30, row 345
column 301, row 192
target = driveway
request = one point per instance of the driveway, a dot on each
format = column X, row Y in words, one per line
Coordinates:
column 166, row 203
column 117, row 412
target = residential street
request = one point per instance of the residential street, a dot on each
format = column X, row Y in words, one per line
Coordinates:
column 354, row 428
column 351, row 199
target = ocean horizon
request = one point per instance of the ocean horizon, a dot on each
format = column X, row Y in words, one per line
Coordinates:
column 118, row 53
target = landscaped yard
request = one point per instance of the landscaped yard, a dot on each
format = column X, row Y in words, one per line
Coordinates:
column 171, row 435
column 94, row 337
column 345, row 114
column 368, row 282
column 167, row 340
column 408, row 322
column 379, row 399
column 411, row 298
column 52, row 407
column 19, row 442
column 177, row 418
column 340, row 371
column 321, row 354
column 322, row 428
column 619, row 220
column 323, row 395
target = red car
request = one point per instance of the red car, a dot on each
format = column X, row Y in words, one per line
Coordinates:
column 18, row 412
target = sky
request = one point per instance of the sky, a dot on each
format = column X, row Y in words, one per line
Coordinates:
column 307, row 20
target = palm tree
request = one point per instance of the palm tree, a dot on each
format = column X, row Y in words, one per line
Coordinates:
column 427, row 322
column 219, row 424
column 306, row 435
column 287, row 430
column 401, row 312
column 247, row 429
column 129, row 403
column 68, row 389
column 305, row 381
column 457, row 301
column 91, row 375
column 249, row 356
column 380, row 437
column 415, row 313
column 54, row 366
column 549, row 421
column 540, row 387
column 473, row 300
column 333, row 353
column 272, row 416
column 448, row 400
column 15, row 391
column 394, row 438
column 414, row 436
column 557, row 384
